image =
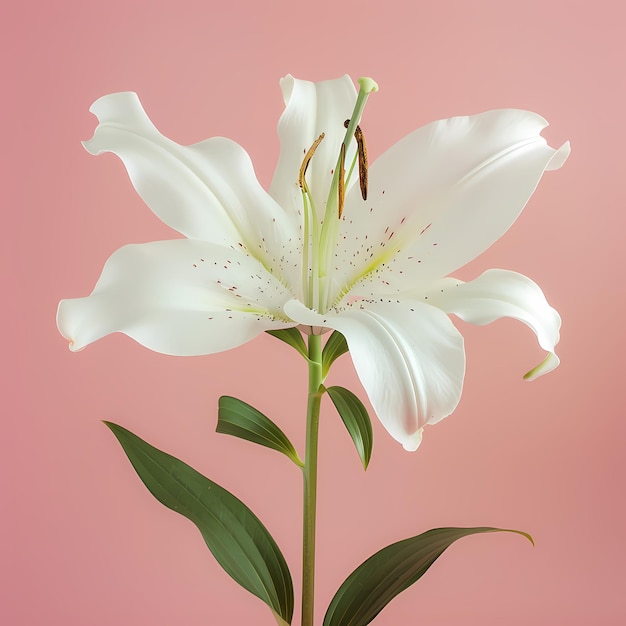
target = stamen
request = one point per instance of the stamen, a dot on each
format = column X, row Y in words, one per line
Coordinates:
column 362, row 150
column 342, row 173
column 310, row 234
column 307, row 157
column 362, row 153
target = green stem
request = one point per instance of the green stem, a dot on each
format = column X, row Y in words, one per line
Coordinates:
column 310, row 479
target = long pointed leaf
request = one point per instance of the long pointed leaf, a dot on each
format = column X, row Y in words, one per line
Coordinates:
column 356, row 419
column 239, row 419
column 371, row 586
column 235, row 536
column 334, row 348
column 291, row 336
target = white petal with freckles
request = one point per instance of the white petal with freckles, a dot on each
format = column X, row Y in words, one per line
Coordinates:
column 180, row 297
column 436, row 200
column 206, row 191
column 441, row 196
column 501, row 293
column 311, row 109
column 409, row 358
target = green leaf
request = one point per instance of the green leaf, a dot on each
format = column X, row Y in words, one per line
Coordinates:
column 280, row 621
column 371, row 586
column 235, row 536
column 334, row 348
column 239, row 419
column 356, row 419
column 293, row 337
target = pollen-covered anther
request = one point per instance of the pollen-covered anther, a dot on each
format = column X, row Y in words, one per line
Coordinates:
column 362, row 152
column 305, row 163
column 341, row 188
column 361, row 149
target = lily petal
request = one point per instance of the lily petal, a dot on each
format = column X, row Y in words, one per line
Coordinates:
column 408, row 356
column 180, row 297
column 311, row 109
column 440, row 197
column 206, row 191
column 501, row 293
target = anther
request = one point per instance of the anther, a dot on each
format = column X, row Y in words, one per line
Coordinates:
column 362, row 150
column 362, row 154
column 305, row 163
column 342, row 173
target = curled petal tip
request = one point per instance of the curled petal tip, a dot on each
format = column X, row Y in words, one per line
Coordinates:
column 73, row 347
column 412, row 443
column 559, row 157
column 88, row 145
column 65, row 327
column 103, row 103
column 547, row 365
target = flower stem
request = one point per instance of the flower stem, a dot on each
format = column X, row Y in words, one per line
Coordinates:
column 310, row 479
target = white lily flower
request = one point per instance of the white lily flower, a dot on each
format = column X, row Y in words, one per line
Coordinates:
column 307, row 254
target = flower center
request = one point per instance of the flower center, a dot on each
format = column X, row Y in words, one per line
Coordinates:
column 319, row 243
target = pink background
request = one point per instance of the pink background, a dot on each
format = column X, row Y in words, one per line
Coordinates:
column 83, row 543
